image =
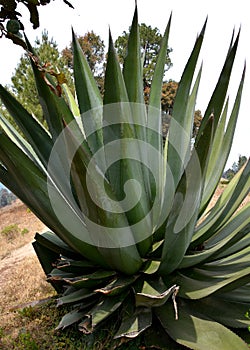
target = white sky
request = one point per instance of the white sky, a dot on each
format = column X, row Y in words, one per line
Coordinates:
column 188, row 18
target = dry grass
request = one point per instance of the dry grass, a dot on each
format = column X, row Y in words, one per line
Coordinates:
column 22, row 284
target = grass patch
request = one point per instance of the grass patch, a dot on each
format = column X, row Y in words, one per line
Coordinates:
column 38, row 332
column 10, row 232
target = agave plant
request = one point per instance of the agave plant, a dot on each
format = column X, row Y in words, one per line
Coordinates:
column 133, row 235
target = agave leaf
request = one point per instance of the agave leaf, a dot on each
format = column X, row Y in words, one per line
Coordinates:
column 57, row 274
column 36, row 135
column 55, row 244
column 241, row 294
column 47, row 258
column 15, row 137
column 70, row 318
column 100, row 312
column 201, row 282
column 151, row 267
column 132, row 69
column 236, row 245
column 76, row 296
column 221, row 147
column 196, row 331
column 135, row 323
column 154, row 120
column 54, row 107
column 178, row 129
column 71, row 102
column 216, row 102
column 211, row 182
column 225, row 206
column 183, row 216
column 76, row 266
column 154, row 131
column 168, row 186
column 133, row 78
column 88, row 96
column 231, row 314
column 226, row 238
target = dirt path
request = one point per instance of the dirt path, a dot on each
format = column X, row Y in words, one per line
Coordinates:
column 13, row 251
column 15, row 257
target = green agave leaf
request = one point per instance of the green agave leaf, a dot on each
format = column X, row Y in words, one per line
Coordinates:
column 17, row 138
column 151, row 267
column 76, row 266
column 70, row 318
column 169, row 190
column 34, row 132
column 47, row 258
column 154, row 133
column 226, row 238
column 54, row 107
column 100, row 312
column 154, row 120
column 179, row 126
column 55, row 244
column 71, row 102
column 217, row 100
column 235, row 246
column 57, row 274
column 183, row 216
column 78, row 171
column 75, row 297
column 201, row 282
column 133, row 78
column 88, row 96
column 135, row 323
column 235, row 232
column 197, row 332
column 132, row 69
column 241, row 294
column 225, row 206
column 230, row 314
column 221, row 147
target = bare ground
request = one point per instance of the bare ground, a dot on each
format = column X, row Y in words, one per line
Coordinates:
column 21, row 277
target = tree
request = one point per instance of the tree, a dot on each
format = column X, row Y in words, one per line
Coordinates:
column 23, row 83
column 93, row 48
column 150, row 45
column 236, row 166
column 6, row 197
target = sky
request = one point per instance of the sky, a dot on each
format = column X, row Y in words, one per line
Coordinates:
column 188, row 18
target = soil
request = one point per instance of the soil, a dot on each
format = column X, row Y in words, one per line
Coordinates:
column 16, row 247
